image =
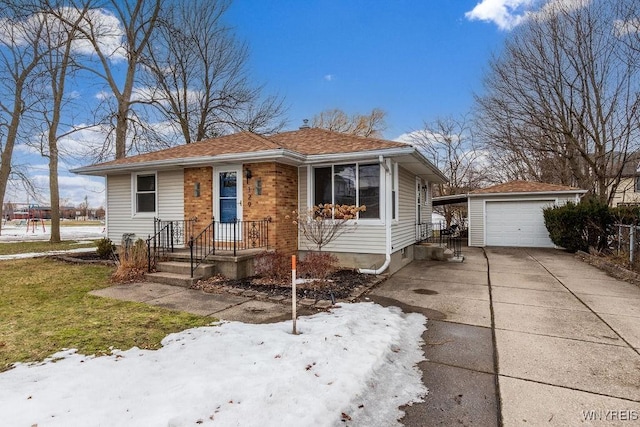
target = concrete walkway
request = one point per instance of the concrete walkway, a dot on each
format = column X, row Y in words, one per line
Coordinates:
column 522, row 337
column 220, row 306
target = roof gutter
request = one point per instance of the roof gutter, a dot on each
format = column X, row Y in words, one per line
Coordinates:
column 528, row 193
column 313, row 159
column 265, row 155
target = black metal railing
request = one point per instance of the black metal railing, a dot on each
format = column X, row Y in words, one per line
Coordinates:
column 439, row 233
column 179, row 230
column 158, row 245
column 167, row 236
column 229, row 237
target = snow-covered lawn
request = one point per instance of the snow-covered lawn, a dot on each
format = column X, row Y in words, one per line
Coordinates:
column 355, row 363
column 19, row 233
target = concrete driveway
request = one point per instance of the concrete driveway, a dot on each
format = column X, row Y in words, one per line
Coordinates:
column 522, row 337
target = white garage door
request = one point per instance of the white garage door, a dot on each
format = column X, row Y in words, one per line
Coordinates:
column 517, row 223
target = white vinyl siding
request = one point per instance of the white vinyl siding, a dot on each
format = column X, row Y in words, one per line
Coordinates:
column 428, row 207
column 476, row 222
column 363, row 239
column 403, row 233
column 170, row 194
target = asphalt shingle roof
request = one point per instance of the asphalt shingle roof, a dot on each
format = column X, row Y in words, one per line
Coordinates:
column 307, row 141
column 242, row 142
column 524, row 187
column 312, row 141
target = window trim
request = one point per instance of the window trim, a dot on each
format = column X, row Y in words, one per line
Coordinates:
column 381, row 183
column 134, row 195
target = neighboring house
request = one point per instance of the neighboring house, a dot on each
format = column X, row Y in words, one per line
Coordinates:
column 510, row 214
column 628, row 190
column 249, row 177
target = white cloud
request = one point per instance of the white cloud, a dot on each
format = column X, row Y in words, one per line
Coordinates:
column 624, row 28
column 406, row 138
column 73, row 189
column 328, row 77
column 103, row 94
column 506, row 14
column 102, row 23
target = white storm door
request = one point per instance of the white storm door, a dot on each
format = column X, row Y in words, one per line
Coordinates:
column 228, row 202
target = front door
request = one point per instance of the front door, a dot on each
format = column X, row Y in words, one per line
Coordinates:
column 228, row 202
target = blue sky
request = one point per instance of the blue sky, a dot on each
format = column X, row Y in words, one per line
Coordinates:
column 417, row 60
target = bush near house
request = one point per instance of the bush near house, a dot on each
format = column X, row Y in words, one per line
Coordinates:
column 277, row 266
column 274, row 266
column 105, row 247
column 133, row 262
column 317, row 265
column 581, row 226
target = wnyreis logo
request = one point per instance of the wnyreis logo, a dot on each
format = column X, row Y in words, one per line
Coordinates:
column 610, row 415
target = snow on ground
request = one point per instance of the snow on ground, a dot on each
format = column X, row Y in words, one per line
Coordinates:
column 19, row 233
column 358, row 360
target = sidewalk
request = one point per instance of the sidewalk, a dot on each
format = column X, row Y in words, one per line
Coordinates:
column 221, row 306
column 522, row 337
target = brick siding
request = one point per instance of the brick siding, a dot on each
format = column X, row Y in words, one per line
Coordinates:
column 278, row 199
column 198, row 207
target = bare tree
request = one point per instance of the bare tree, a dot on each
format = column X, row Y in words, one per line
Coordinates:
column 21, row 52
column 137, row 20
column 563, row 97
column 368, row 125
column 57, row 65
column 198, row 75
column 449, row 143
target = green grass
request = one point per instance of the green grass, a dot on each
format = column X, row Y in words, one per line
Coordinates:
column 41, row 246
column 45, row 307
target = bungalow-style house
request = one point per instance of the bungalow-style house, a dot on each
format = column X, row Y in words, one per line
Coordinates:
column 244, row 187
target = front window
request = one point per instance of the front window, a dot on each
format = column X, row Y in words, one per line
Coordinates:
column 637, row 184
column 350, row 184
column 145, row 193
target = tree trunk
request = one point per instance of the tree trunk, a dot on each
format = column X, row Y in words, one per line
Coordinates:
column 55, row 199
column 7, row 153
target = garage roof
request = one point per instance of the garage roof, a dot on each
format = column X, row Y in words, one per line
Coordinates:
column 525, row 187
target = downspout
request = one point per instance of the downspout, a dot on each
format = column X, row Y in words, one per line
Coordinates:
column 387, row 221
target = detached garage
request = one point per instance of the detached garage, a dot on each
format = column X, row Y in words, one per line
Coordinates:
column 510, row 214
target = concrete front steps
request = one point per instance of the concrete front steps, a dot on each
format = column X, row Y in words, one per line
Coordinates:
column 176, row 270
column 433, row 251
column 178, row 273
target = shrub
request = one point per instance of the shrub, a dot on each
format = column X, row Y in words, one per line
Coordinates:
column 317, row 265
column 105, row 248
column 579, row 227
column 133, row 262
column 273, row 265
column 629, row 215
